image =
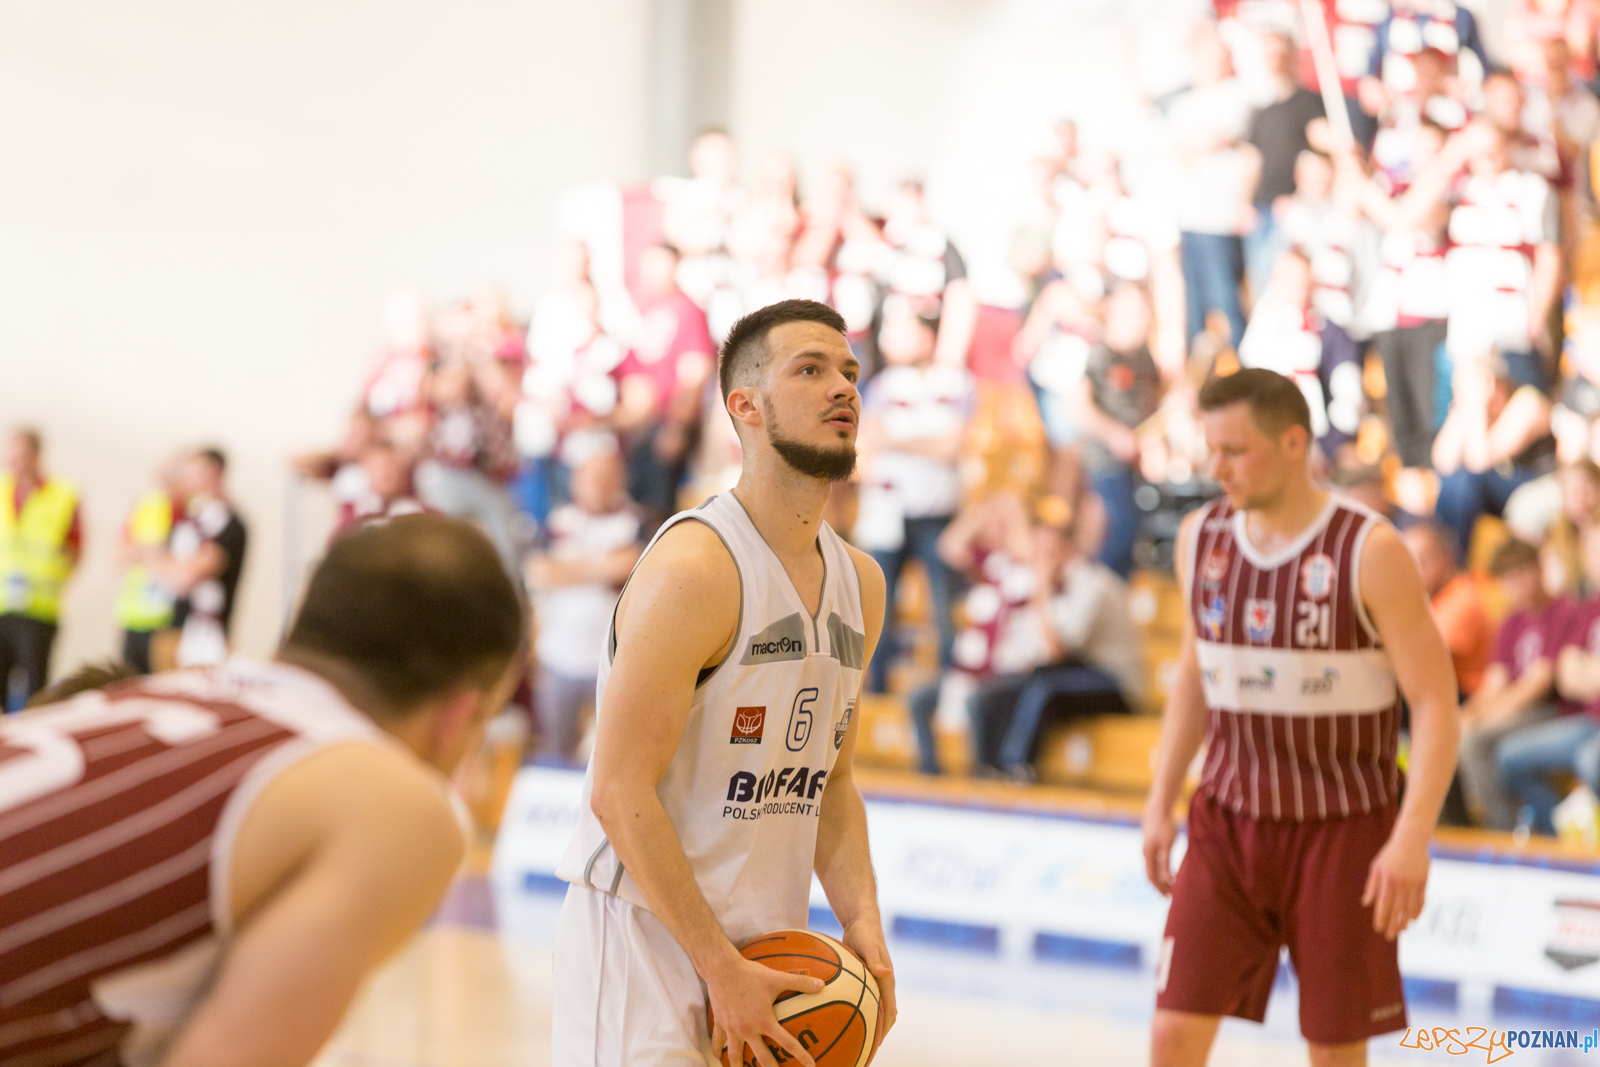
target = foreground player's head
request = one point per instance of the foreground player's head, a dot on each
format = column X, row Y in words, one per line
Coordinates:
column 1258, row 432
column 417, row 622
column 789, row 381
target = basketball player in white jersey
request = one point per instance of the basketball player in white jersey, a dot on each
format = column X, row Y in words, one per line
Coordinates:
column 198, row 869
column 721, row 775
column 1306, row 623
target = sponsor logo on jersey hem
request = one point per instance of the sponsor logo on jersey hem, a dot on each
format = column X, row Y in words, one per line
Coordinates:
column 1261, row 683
column 748, row 724
column 1321, row 685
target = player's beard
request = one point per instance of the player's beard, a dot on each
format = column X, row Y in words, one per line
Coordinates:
column 827, row 464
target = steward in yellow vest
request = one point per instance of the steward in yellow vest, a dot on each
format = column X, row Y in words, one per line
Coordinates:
column 144, row 605
column 39, row 542
column 35, row 557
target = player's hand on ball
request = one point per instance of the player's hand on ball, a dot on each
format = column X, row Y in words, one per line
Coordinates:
column 1160, row 831
column 741, row 995
column 1396, row 883
column 864, row 937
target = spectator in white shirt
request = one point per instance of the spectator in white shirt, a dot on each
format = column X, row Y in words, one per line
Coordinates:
column 1089, row 651
column 913, row 416
column 1218, row 172
column 593, row 543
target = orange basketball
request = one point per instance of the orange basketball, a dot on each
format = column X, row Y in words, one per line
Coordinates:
column 841, row 1025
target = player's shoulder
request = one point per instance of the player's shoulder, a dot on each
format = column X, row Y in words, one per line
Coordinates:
column 377, row 799
column 692, row 554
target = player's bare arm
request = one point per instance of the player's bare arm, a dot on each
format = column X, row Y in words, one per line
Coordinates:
column 1508, row 698
column 843, row 862
column 1395, row 600
column 339, row 860
column 1183, row 728
column 679, row 614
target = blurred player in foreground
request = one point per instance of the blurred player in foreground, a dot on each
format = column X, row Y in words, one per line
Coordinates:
column 721, row 776
column 201, row 867
column 1306, row 624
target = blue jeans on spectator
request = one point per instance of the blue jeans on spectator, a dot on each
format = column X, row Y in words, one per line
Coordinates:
column 1570, row 743
column 539, row 488
column 1213, row 264
column 921, row 543
column 1008, row 711
column 924, row 703
column 1114, row 486
column 1466, row 495
column 1262, row 246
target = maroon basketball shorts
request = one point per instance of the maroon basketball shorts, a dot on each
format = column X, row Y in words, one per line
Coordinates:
column 1248, row 886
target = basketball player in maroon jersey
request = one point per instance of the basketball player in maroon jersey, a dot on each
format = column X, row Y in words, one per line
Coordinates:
column 1306, row 623
column 198, row 869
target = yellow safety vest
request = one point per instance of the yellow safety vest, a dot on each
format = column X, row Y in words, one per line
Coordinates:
column 34, row 564
column 144, row 604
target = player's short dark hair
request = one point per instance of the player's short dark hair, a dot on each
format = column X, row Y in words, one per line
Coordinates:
column 1512, row 556
column 31, row 435
column 416, row 606
column 744, row 353
column 89, row 676
column 1276, row 403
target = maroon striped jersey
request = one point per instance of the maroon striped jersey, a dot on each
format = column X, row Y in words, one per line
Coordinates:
column 118, row 811
column 1303, row 714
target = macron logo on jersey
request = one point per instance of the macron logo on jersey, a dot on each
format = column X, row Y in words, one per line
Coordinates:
column 748, row 724
column 783, row 640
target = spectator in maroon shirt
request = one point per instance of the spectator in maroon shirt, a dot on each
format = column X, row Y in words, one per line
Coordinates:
column 661, row 383
column 1518, row 688
column 387, row 491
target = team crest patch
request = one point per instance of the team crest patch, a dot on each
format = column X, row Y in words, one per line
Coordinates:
column 1316, row 577
column 1213, row 614
column 1260, row 619
column 748, row 723
column 843, row 725
column 1216, row 568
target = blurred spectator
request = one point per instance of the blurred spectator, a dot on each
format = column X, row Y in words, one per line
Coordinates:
column 1428, row 101
column 1120, row 389
column 1495, row 438
column 1323, row 221
column 470, row 449
column 698, row 217
column 145, row 603
column 1457, row 601
column 1517, row 689
column 1278, row 133
column 989, row 544
column 661, row 384
column 341, row 467
column 1529, row 27
column 396, row 392
column 1568, row 744
column 591, row 547
column 387, row 492
column 1218, row 173
column 1288, row 335
column 203, row 560
column 1415, row 26
column 838, row 239
column 922, row 264
column 913, row 416
column 1409, row 300
column 1090, row 658
column 41, row 540
column 1528, row 149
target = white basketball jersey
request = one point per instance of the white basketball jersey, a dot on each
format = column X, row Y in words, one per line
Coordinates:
column 745, row 787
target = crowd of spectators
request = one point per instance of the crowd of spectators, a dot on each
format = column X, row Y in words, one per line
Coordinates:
column 1414, row 240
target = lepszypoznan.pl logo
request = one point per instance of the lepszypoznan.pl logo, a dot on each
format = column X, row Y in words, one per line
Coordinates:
column 1495, row 1045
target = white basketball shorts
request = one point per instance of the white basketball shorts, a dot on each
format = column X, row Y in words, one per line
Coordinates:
column 625, row 993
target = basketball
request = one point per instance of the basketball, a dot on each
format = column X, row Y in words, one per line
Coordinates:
column 840, row 1026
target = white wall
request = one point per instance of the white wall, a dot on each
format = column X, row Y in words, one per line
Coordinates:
column 203, row 206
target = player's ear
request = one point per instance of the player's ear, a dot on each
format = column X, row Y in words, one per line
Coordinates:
column 744, row 406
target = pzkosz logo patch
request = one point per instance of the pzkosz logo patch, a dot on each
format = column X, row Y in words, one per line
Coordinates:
column 1316, row 577
column 748, row 723
column 1260, row 619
